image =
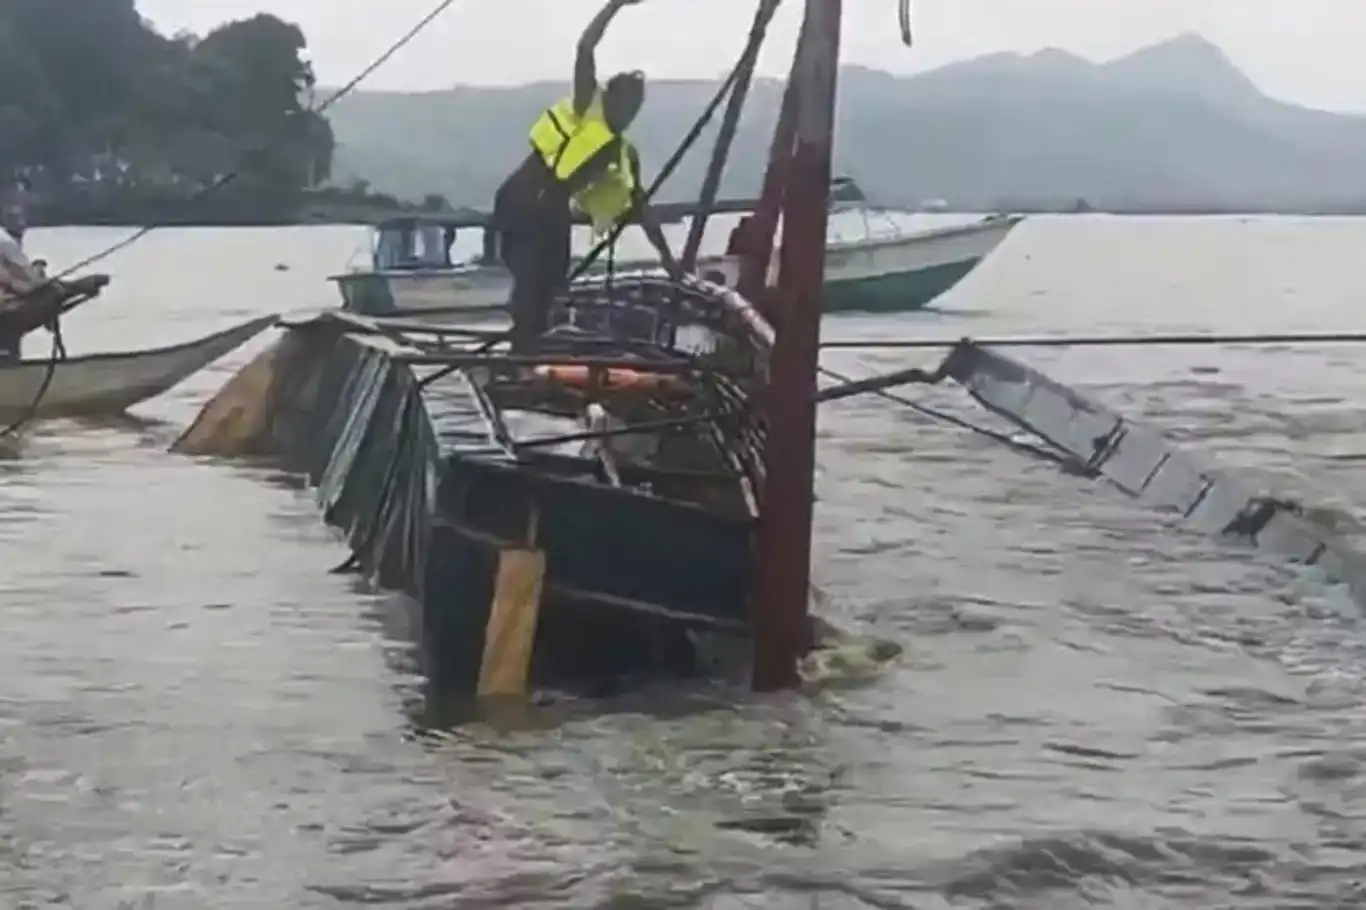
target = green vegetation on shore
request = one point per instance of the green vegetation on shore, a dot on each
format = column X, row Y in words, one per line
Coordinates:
column 111, row 122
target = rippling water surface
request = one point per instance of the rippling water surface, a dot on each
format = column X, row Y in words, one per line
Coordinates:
column 1095, row 708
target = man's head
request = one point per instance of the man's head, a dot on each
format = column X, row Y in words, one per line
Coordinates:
column 621, row 99
column 14, row 201
column 14, row 219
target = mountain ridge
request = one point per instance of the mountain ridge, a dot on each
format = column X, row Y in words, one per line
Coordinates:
column 1174, row 125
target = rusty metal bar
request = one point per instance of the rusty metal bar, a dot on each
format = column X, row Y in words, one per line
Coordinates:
column 782, row 625
column 761, row 226
column 649, row 426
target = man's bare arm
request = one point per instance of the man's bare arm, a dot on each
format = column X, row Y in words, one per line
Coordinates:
column 585, row 66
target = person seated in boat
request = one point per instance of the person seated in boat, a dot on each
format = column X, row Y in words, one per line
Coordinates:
column 18, row 276
column 29, row 300
column 580, row 156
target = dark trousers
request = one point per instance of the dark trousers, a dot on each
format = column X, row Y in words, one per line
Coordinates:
column 536, row 252
column 18, row 318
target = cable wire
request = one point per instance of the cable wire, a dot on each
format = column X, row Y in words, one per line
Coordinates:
column 56, row 354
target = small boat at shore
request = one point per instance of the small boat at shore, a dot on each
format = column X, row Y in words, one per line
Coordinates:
column 105, row 384
column 92, row 385
column 410, row 269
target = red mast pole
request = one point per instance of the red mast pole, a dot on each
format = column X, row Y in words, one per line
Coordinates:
column 763, row 223
column 782, row 626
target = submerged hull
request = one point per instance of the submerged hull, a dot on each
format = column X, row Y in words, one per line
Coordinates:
column 897, row 274
column 1146, row 465
column 528, row 565
column 106, row 384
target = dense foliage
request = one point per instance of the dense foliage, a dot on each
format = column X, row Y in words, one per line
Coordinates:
column 99, row 110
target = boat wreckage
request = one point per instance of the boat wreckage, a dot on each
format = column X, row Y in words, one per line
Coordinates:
column 634, row 500
column 589, row 515
column 1087, row 439
column 623, row 504
column 581, row 515
column 575, row 520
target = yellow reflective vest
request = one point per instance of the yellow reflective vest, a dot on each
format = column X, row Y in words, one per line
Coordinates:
column 566, row 142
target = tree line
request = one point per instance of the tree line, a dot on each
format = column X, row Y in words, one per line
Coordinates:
column 109, row 120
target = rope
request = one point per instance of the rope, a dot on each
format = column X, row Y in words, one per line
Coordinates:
column 904, row 21
column 756, row 38
column 1062, row 341
column 55, row 356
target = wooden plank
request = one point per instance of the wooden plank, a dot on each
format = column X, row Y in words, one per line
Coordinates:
column 510, row 632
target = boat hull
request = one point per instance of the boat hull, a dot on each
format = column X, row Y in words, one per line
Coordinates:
column 106, row 384
column 472, row 293
column 907, row 273
column 624, row 583
column 894, row 275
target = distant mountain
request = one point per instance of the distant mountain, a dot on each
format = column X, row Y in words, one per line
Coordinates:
column 1174, row 126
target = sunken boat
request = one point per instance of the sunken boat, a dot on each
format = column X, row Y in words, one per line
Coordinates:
column 576, row 519
column 631, row 503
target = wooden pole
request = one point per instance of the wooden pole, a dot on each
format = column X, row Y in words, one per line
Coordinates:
column 782, row 625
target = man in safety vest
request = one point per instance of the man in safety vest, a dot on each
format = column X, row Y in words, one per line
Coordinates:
column 579, row 157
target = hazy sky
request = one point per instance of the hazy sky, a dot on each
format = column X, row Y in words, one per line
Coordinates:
column 1307, row 51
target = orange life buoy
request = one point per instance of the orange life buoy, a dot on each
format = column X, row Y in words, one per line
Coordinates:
column 614, row 379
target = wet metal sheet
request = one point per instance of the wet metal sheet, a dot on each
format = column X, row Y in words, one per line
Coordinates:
column 1146, row 465
column 370, row 447
column 369, row 380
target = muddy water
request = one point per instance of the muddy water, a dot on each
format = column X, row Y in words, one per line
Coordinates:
column 1094, row 708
